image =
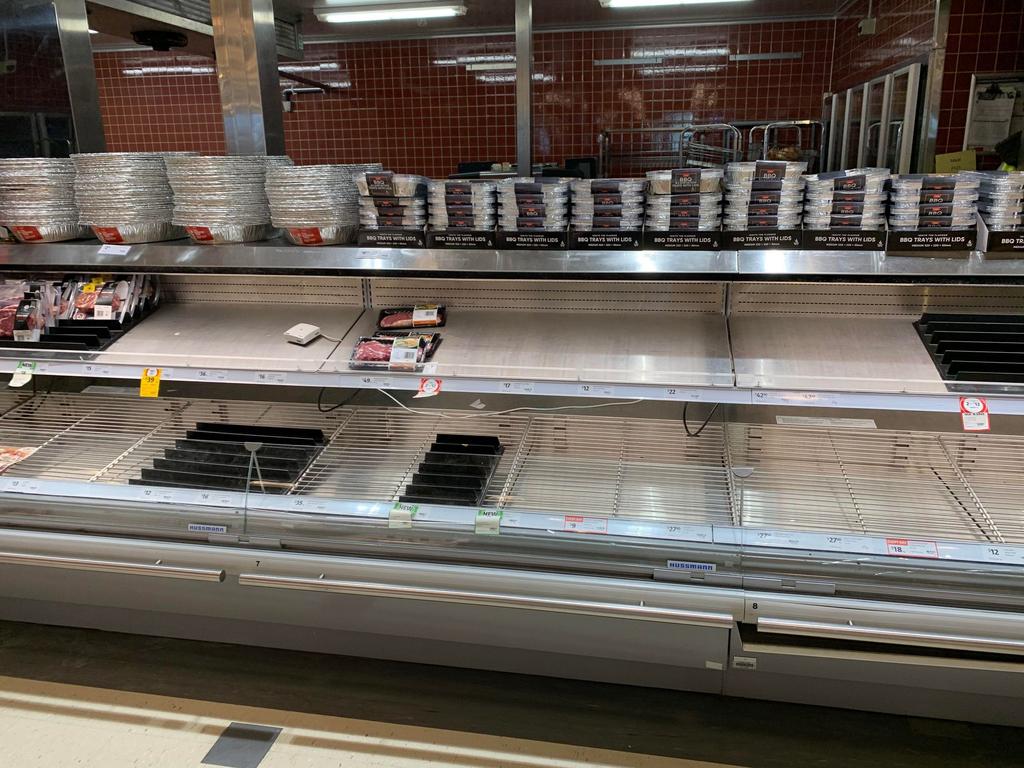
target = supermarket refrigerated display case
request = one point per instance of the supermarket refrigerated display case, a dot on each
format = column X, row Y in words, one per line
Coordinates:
column 833, row 535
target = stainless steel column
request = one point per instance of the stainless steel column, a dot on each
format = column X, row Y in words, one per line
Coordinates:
column 76, row 50
column 524, row 87
column 244, row 39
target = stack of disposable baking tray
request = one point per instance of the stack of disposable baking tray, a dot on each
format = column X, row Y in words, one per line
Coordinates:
column 463, row 205
column 767, row 194
column 533, row 204
column 37, row 199
column 314, row 204
column 1001, row 199
column 125, row 196
column 456, row 470
column 933, row 201
column 616, row 204
column 684, row 199
column 221, row 200
column 853, row 199
column 392, row 200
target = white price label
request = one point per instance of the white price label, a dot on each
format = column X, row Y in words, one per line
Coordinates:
column 270, row 377
column 769, row 397
column 911, row 548
column 595, row 390
column 204, row 374
column 778, row 539
column 114, row 250
column 401, row 515
column 307, row 504
column 103, row 312
column 517, row 387
column 488, row 522
column 974, row 413
column 206, row 528
column 680, row 393
column 378, row 382
column 581, row 524
column 96, row 370
column 1000, row 554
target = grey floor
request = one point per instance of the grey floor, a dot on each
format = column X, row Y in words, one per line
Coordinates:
column 643, row 721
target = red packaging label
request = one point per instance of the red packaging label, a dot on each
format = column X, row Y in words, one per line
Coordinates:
column 307, row 235
column 200, row 234
column 27, row 234
column 108, row 234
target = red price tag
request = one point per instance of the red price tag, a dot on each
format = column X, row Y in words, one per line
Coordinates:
column 911, row 548
column 974, row 414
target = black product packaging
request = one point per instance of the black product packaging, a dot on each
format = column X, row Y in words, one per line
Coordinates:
column 606, row 240
column 761, row 239
column 684, row 240
column 534, row 239
column 844, row 239
column 950, row 243
column 393, row 237
column 462, row 238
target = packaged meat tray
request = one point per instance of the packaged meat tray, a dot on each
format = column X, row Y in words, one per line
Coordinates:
column 685, row 180
column 934, row 181
column 747, row 196
column 418, row 316
column 431, row 340
column 608, row 186
column 395, row 354
column 390, row 184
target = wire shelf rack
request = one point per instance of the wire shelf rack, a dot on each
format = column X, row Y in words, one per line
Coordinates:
column 844, row 480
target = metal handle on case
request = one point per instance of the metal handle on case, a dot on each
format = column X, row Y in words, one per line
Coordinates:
column 112, row 566
column 496, row 600
column 893, row 636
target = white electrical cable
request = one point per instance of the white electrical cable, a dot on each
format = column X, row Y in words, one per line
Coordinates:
column 443, row 415
column 331, row 338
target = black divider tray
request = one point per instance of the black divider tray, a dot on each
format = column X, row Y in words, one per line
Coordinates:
column 238, row 459
column 456, row 470
column 299, row 454
column 987, row 349
column 304, row 435
column 224, row 470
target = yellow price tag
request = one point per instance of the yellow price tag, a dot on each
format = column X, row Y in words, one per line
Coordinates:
column 149, row 384
column 89, row 288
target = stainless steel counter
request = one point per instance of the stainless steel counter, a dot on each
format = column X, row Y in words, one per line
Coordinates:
column 275, row 257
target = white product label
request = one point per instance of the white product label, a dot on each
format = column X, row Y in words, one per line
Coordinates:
column 103, row 312
column 205, row 528
column 206, row 375
column 31, row 334
column 595, row 390
column 911, row 548
column 404, row 357
column 816, row 421
column 581, row 524
column 679, row 393
column 424, row 316
column 379, row 382
column 401, row 515
column 1001, row 554
column 770, row 397
column 114, row 250
column 488, row 522
column 96, row 370
column 268, row 377
column 517, row 387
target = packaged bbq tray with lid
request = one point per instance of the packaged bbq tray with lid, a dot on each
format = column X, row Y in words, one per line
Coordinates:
column 764, row 171
column 934, row 181
column 391, row 184
column 685, row 180
column 863, row 180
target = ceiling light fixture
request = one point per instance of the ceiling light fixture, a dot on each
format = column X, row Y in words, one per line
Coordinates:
column 654, row 3
column 349, row 13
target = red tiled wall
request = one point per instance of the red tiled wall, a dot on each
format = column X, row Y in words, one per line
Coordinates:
column 904, row 32
column 405, row 104
column 577, row 99
column 154, row 102
column 985, row 37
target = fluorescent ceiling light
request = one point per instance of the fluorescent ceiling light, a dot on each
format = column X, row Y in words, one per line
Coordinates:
column 490, row 65
column 677, row 53
column 327, row 66
column 391, row 12
column 510, row 77
column 654, row 3
column 628, row 62
column 682, row 69
column 162, row 71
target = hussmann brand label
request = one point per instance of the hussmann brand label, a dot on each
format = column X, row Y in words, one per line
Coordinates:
column 206, row 528
column 689, row 565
